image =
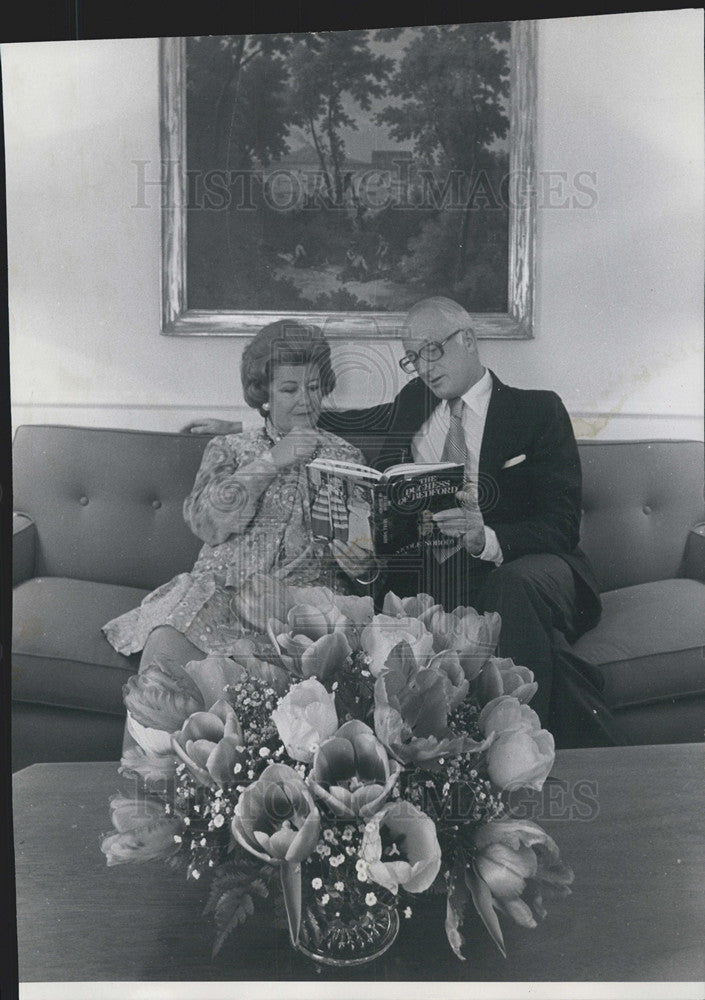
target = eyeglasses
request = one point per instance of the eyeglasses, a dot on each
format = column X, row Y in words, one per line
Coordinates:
column 431, row 351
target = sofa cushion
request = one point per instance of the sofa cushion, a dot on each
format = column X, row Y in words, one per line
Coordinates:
column 59, row 655
column 648, row 644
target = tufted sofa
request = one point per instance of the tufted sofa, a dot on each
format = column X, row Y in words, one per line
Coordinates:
column 98, row 525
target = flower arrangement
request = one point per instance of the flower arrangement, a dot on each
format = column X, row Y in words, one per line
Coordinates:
column 355, row 760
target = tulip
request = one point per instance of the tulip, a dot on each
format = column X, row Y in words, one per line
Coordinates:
column 315, row 642
column 304, row 718
column 213, row 676
column 261, row 661
column 358, row 610
column 515, row 861
column 161, row 698
column 210, row 744
column 408, row 607
column 150, row 767
column 507, row 715
column 448, row 662
column 276, row 818
column 521, row 759
column 504, row 676
column 144, row 831
column 383, row 633
column 411, row 711
column 321, row 658
column 158, row 700
column 472, row 635
column 277, row 821
column 152, row 741
column 315, row 622
column 352, row 772
column 411, row 857
column 260, row 598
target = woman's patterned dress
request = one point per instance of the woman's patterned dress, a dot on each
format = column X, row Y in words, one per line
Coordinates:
column 252, row 519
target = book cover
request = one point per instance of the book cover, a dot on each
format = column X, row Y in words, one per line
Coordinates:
column 390, row 512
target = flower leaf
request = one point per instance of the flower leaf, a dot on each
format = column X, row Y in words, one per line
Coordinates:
column 457, row 900
column 482, row 898
column 231, row 909
column 291, row 886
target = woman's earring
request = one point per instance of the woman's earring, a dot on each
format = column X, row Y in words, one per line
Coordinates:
column 265, row 407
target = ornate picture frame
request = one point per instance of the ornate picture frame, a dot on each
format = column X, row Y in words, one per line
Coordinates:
column 516, row 322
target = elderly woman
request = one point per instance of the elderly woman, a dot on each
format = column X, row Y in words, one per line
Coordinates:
column 250, row 505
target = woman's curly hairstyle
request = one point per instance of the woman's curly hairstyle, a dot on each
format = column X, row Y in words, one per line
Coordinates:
column 286, row 342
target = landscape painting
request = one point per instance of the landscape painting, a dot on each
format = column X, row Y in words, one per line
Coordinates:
column 349, row 171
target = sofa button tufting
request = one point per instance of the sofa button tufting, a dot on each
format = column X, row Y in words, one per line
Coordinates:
column 83, row 501
column 646, row 508
column 156, row 504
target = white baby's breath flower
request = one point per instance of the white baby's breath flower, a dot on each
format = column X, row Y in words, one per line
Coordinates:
column 339, row 886
column 370, row 899
column 316, row 883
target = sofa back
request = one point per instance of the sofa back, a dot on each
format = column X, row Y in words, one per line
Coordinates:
column 640, row 498
column 108, row 503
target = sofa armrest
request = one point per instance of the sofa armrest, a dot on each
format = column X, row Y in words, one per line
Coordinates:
column 24, row 534
column 694, row 555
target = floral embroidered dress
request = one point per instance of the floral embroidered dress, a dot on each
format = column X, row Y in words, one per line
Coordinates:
column 253, row 519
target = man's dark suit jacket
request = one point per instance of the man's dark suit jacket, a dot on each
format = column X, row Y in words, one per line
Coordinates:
column 534, row 505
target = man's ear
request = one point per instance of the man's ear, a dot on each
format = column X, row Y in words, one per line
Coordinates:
column 470, row 339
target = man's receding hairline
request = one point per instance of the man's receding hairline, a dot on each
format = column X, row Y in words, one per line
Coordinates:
column 435, row 307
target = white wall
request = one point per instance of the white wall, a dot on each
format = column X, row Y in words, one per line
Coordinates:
column 619, row 318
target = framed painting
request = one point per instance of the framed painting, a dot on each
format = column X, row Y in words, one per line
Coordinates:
column 338, row 177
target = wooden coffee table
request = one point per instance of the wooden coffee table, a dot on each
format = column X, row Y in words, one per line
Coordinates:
column 630, row 821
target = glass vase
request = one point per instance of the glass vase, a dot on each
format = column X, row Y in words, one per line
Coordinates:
column 348, row 931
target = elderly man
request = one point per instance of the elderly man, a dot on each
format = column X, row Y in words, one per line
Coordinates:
column 518, row 529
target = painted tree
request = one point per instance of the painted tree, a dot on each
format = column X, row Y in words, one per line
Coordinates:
column 236, row 87
column 331, row 72
column 449, row 97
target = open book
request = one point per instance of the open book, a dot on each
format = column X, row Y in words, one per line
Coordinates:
column 388, row 511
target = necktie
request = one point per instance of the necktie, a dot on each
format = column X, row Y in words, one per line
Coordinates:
column 455, row 448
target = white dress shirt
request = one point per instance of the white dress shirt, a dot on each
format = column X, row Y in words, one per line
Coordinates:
column 427, row 444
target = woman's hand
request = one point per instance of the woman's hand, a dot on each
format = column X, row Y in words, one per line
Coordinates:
column 357, row 561
column 298, row 445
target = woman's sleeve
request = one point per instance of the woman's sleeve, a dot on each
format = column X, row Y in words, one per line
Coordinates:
column 224, row 497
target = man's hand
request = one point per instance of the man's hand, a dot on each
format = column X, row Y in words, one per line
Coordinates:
column 211, row 425
column 464, row 523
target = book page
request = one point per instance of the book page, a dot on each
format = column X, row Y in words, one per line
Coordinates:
column 345, row 468
column 419, row 468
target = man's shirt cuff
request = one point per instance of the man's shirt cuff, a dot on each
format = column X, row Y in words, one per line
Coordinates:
column 492, row 551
